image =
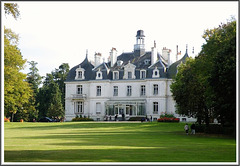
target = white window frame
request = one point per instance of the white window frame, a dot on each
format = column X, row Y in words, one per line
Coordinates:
column 129, row 90
column 78, row 75
column 98, row 108
column 99, row 74
column 99, row 91
column 155, row 73
column 115, row 75
column 155, row 89
column 79, row 107
column 79, row 89
column 142, row 76
column 155, row 107
column 115, row 90
column 143, row 90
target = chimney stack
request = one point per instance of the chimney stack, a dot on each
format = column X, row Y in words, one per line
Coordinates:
column 97, row 57
column 154, row 54
column 113, row 56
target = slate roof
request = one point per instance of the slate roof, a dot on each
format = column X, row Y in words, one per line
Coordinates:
column 172, row 70
column 138, row 61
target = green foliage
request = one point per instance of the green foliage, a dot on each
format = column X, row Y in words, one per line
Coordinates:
column 12, row 8
column 59, row 76
column 33, row 78
column 49, row 99
column 205, row 87
column 220, row 49
column 82, row 119
column 17, row 91
column 167, row 115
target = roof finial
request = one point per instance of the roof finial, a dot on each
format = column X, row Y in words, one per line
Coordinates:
column 193, row 50
column 186, row 48
column 154, row 44
column 87, row 53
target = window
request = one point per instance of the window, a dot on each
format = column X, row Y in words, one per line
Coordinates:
column 142, row 74
column 98, row 90
column 143, row 90
column 115, row 75
column 80, row 74
column 129, row 75
column 98, row 108
column 79, row 89
column 155, row 107
column 129, row 90
column 79, row 107
column 115, row 90
column 99, row 74
column 155, row 73
column 155, row 89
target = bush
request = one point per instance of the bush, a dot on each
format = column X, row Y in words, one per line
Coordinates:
column 136, row 118
column 6, row 120
column 165, row 119
column 82, row 119
column 166, row 115
column 215, row 129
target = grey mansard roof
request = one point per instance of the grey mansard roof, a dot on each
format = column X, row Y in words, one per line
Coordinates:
column 133, row 58
column 172, row 70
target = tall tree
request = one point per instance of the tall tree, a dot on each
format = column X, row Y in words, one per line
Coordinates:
column 33, row 78
column 16, row 90
column 220, row 49
column 49, row 98
column 60, row 76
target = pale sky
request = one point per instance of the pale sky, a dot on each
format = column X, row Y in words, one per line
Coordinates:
column 52, row 33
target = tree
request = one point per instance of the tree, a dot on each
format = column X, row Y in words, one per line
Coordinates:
column 49, row 98
column 188, row 89
column 60, row 76
column 12, row 8
column 33, row 78
column 220, row 50
column 16, row 91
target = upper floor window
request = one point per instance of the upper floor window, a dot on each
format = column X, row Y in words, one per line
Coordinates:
column 115, row 75
column 79, row 89
column 99, row 74
column 143, row 90
column 142, row 74
column 155, row 73
column 155, row 89
column 129, row 75
column 115, row 90
column 79, row 73
column 129, row 71
column 129, row 90
column 98, row 90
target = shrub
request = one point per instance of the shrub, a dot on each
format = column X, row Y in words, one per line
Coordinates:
column 166, row 115
column 82, row 119
column 165, row 119
column 136, row 118
column 6, row 120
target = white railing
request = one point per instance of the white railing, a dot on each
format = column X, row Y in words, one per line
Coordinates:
column 79, row 96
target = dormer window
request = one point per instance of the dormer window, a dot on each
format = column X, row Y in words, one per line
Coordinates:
column 119, row 63
column 79, row 73
column 115, row 75
column 129, row 71
column 146, row 61
column 99, row 74
column 155, row 73
column 142, row 74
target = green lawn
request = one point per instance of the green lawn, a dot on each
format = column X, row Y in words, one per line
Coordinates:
column 112, row 142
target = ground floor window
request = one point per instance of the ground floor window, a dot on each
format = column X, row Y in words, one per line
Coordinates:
column 125, row 108
column 98, row 108
column 78, row 107
column 155, row 107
